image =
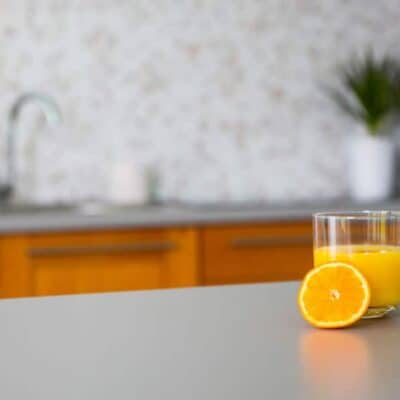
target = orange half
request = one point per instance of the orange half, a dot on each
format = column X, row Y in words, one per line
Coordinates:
column 334, row 295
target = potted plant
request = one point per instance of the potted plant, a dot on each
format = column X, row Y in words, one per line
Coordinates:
column 370, row 94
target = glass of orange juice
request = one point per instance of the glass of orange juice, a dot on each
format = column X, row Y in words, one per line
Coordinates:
column 368, row 240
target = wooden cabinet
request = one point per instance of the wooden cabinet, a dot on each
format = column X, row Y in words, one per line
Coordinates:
column 134, row 259
column 66, row 263
column 256, row 253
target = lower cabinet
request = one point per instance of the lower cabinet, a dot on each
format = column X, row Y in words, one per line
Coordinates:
column 135, row 259
column 69, row 263
column 256, row 253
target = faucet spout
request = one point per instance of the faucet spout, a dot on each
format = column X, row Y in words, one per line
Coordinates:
column 52, row 114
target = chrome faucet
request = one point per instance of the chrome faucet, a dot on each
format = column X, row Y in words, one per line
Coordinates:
column 52, row 115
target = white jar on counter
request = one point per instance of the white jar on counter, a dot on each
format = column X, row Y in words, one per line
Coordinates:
column 128, row 183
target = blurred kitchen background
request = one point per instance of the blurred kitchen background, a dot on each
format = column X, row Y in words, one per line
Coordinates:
column 168, row 143
column 223, row 99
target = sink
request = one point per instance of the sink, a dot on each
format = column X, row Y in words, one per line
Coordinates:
column 10, row 208
column 87, row 208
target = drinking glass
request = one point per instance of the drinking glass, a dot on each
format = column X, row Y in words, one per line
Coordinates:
column 369, row 241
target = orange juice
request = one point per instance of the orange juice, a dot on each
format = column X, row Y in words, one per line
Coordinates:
column 380, row 264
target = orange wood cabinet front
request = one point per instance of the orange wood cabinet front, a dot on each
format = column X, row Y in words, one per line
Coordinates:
column 137, row 259
column 70, row 263
column 256, row 253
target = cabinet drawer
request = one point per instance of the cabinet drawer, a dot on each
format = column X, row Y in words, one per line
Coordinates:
column 68, row 263
column 256, row 253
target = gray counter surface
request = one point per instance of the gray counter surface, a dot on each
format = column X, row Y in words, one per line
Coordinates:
column 18, row 219
column 236, row 343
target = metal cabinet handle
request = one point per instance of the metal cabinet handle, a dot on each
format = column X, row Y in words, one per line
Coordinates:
column 265, row 241
column 103, row 249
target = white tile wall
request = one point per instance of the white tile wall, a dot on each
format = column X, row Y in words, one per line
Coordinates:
column 223, row 96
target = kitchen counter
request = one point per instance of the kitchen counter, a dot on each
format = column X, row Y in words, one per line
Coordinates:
column 238, row 342
column 18, row 219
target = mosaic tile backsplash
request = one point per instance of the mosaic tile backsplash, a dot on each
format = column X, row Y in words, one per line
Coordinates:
column 223, row 97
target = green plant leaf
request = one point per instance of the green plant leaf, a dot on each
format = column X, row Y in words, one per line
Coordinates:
column 374, row 89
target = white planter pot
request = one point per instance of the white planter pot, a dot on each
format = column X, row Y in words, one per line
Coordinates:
column 371, row 167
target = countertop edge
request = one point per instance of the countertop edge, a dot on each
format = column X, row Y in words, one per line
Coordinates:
column 164, row 216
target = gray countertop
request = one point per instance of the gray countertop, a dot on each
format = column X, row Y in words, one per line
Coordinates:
column 236, row 343
column 18, row 219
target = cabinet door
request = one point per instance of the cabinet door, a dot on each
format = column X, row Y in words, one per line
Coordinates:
column 63, row 263
column 256, row 253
